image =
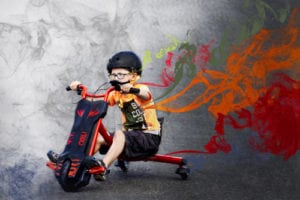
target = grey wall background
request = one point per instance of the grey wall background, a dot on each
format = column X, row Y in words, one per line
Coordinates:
column 45, row 44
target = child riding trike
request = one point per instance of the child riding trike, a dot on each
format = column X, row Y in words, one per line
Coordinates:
column 75, row 165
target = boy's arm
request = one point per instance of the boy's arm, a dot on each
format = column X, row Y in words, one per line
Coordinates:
column 142, row 92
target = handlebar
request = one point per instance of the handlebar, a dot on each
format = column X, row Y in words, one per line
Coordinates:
column 82, row 90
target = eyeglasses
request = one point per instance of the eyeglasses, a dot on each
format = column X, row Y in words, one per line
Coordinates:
column 118, row 76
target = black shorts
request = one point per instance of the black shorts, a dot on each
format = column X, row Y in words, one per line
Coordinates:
column 138, row 145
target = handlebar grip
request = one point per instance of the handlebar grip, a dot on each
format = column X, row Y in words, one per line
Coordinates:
column 68, row 88
column 134, row 90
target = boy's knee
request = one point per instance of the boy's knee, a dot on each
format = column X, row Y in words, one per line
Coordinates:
column 100, row 140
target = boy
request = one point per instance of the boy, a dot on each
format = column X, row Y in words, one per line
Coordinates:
column 140, row 136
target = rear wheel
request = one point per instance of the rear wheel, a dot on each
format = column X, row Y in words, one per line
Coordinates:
column 183, row 172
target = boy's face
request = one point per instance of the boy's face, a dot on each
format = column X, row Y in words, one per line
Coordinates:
column 121, row 75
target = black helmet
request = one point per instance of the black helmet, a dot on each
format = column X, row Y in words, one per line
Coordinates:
column 127, row 60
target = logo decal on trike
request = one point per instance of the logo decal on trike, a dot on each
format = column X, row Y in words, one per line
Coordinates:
column 93, row 113
column 82, row 138
column 80, row 112
column 70, row 138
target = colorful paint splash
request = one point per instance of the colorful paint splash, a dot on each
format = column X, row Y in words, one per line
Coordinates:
column 243, row 87
column 182, row 55
column 189, row 58
column 247, row 69
column 275, row 118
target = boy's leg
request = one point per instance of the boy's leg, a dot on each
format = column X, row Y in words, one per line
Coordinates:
column 100, row 141
column 113, row 153
column 115, row 149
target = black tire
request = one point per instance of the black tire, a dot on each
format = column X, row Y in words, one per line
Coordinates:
column 65, row 182
column 183, row 172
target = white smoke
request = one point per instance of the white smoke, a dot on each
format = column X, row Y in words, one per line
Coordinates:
column 45, row 44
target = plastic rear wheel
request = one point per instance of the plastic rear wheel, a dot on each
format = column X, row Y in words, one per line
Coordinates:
column 183, row 172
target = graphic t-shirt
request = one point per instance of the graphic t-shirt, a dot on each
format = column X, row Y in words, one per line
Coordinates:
column 136, row 114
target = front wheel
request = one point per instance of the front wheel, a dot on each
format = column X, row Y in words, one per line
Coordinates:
column 64, row 180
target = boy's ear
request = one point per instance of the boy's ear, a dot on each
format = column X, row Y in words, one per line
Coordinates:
column 134, row 76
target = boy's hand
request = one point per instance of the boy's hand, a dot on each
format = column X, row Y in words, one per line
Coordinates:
column 74, row 85
column 126, row 88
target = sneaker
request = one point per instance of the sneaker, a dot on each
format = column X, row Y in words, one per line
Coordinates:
column 53, row 157
column 100, row 177
column 91, row 162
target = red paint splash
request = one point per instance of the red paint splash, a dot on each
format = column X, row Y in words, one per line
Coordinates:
column 168, row 61
column 203, row 56
column 275, row 118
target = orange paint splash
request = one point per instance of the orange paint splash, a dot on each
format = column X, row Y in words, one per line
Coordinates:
column 245, row 76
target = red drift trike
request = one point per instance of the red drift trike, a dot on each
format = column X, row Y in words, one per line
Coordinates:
column 70, row 169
